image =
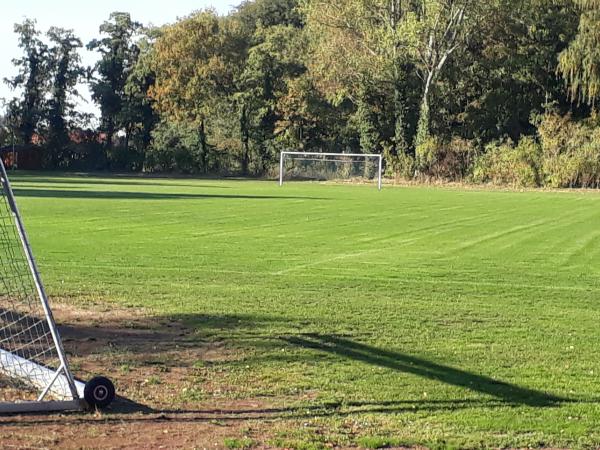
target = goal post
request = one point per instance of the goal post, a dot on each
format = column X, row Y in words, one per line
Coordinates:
column 318, row 165
column 34, row 370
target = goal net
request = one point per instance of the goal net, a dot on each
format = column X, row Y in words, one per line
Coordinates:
column 336, row 167
column 34, row 373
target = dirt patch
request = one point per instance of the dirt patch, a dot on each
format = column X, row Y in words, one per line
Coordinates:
column 157, row 366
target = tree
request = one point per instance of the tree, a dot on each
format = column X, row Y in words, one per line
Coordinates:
column 268, row 13
column 504, row 77
column 197, row 61
column 32, row 80
column 441, row 28
column 138, row 108
column 357, row 49
column 5, row 130
column 64, row 65
column 579, row 64
column 119, row 53
column 364, row 47
column 274, row 60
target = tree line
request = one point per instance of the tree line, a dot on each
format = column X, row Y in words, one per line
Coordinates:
column 500, row 91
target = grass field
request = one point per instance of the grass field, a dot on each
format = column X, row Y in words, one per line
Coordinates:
column 441, row 317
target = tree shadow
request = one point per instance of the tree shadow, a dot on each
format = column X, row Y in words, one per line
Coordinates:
column 121, row 195
column 508, row 393
column 157, row 343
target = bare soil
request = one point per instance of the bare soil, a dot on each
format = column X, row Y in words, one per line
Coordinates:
column 156, row 365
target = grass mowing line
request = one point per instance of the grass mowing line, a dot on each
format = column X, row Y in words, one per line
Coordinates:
column 444, row 227
column 582, row 246
column 330, row 259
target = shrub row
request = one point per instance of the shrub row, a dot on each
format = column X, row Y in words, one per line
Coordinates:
column 564, row 154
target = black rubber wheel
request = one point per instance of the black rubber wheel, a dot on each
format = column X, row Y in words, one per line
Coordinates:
column 99, row 392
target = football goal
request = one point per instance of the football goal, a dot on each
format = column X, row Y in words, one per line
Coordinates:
column 341, row 167
column 34, row 371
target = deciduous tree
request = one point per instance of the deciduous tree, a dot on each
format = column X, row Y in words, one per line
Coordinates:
column 580, row 62
column 118, row 55
column 31, row 82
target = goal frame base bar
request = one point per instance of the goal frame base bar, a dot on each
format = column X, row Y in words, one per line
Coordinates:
column 37, row 407
column 47, row 378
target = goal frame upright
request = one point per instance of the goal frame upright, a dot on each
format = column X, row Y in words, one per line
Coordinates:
column 20, row 367
column 377, row 157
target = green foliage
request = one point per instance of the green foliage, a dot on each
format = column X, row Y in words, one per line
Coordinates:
column 423, row 82
column 176, row 146
column 64, row 64
column 268, row 13
column 571, row 151
column 357, row 56
column 450, row 160
column 399, row 165
column 119, row 53
column 5, row 131
column 504, row 163
column 273, row 61
column 138, row 109
column 423, row 126
column 33, row 78
column 580, row 62
column 507, row 74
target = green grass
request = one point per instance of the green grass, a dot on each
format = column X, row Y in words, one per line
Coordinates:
column 443, row 317
column 234, row 443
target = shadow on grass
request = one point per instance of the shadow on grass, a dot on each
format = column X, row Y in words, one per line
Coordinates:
column 508, row 393
column 92, row 180
column 124, row 410
column 120, row 195
column 168, row 341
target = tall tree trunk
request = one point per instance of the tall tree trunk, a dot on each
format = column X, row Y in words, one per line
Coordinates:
column 110, row 134
column 127, row 135
column 244, row 132
column 442, row 42
column 423, row 127
column 400, row 145
column 203, row 146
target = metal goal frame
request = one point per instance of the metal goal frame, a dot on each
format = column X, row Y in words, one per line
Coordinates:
column 377, row 157
column 59, row 381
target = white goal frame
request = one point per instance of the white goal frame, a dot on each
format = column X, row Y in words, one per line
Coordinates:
column 47, row 379
column 54, row 385
column 377, row 157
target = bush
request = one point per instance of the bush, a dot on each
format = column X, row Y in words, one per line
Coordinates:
column 506, row 164
column 571, row 151
column 175, row 147
column 401, row 166
column 445, row 160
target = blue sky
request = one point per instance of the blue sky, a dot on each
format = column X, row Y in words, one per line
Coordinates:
column 85, row 17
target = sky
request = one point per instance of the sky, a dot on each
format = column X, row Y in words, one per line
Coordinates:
column 84, row 17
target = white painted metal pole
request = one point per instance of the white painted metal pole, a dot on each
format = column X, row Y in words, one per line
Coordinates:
column 372, row 155
column 281, row 169
column 380, row 169
column 44, row 378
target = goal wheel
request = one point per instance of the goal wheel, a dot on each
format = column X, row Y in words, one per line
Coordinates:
column 99, row 392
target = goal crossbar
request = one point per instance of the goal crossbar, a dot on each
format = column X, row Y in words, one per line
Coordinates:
column 313, row 156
